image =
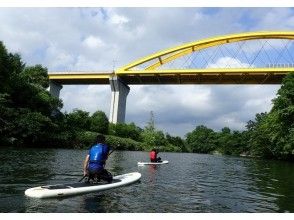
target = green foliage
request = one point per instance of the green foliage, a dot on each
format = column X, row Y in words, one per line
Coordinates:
column 5, row 68
column 231, row 143
column 10, row 68
column 78, row 120
column 176, row 143
column 153, row 138
column 26, row 107
column 126, row 131
column 99, row 122
column 202, row 140
column 36, row 75
column 6, row 119
column 283, row 108
column 124, row 143
column 30, row 128
column 224, row 141
column 84, row 139
column 271, row 135
column 170, row 148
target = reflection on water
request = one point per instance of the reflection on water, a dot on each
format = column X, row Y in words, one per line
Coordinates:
column 189, row 183
column 152, row 172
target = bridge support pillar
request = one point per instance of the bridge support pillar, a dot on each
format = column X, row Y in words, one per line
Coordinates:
column 119, row 93
column 54, row 88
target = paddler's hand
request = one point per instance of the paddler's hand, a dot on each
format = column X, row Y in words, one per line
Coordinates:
column 85, row 173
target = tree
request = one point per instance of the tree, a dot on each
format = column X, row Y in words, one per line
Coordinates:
column 26, row 107
column 224, row 141
column 36, row 75
column 151, row 136
column 78, row 120
column 10, row 68
column 6, row 116
column 271, row 134
column 99, row 122
column 126, row 131
column 280, row 122
column 31, row 128
column 232, row 143
column 284, row 103
column 258, row 138
column 176, row 141
column 201, row 139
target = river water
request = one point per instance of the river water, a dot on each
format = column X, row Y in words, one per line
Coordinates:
column 189, row 183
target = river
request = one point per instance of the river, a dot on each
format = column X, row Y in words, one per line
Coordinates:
column 189, row 183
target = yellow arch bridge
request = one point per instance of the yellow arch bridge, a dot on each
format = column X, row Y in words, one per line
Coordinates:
column 245, row 58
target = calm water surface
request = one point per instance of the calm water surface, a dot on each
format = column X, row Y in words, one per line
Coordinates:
column 189, row 183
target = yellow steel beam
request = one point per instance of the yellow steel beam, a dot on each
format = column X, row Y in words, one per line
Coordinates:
column 208, row 71
column 79, row 75
column 179, row 51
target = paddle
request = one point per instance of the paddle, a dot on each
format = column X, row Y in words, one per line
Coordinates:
column 87, row 175
column 110, row 152
column 82, row 178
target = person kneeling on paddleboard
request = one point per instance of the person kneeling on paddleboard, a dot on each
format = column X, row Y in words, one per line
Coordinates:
column 95, row 161
column 153, row 156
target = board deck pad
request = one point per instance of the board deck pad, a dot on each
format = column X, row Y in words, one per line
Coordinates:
column 70, row 189
column 77, row 185
column 152, row 163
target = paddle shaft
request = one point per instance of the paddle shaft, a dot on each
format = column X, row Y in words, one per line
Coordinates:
column 82, row 178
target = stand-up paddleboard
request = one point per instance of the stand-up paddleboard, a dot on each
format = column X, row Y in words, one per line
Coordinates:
column 61, row 190
column 152, row 163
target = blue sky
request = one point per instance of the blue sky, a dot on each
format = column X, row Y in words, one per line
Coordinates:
column 89, row 39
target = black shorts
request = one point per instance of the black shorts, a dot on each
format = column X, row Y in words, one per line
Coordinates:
column 100, row 175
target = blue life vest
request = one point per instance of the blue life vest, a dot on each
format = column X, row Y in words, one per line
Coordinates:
column 98, row 155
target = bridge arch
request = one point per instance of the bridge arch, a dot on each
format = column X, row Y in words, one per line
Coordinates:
column 168, row 55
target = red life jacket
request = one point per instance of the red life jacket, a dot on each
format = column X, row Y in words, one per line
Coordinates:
column 152, row 155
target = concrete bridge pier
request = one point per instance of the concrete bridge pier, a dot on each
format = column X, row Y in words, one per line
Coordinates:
column 119, row 93
column 54, row 88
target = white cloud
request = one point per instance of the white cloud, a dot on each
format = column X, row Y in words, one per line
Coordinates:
column 274, row 19
column 230, row 120
column 228, row 62
column 58, row 58
column 88, row 98
column 118, row 19
column 93, row 42
column 84, row 64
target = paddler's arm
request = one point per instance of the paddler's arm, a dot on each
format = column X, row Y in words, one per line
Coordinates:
column 86, row 162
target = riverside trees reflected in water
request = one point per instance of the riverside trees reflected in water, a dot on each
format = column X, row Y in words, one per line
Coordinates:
column 189, row 183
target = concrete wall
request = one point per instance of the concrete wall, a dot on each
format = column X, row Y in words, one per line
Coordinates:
column 54, row 88
column 119, row 93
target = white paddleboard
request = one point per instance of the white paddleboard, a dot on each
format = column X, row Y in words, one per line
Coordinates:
column 152, row 163
column 61, row 190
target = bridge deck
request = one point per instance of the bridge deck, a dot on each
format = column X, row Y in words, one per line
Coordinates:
column 204, row 76
column 81, row 78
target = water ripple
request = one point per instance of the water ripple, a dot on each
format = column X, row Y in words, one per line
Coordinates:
column 189, row 183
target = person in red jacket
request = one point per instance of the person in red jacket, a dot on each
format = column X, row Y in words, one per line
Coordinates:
column 153, row 156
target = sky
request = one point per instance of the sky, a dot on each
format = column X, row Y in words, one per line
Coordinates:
column 97, row 39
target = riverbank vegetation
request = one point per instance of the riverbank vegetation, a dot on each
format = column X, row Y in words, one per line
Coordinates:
column 31, row 117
